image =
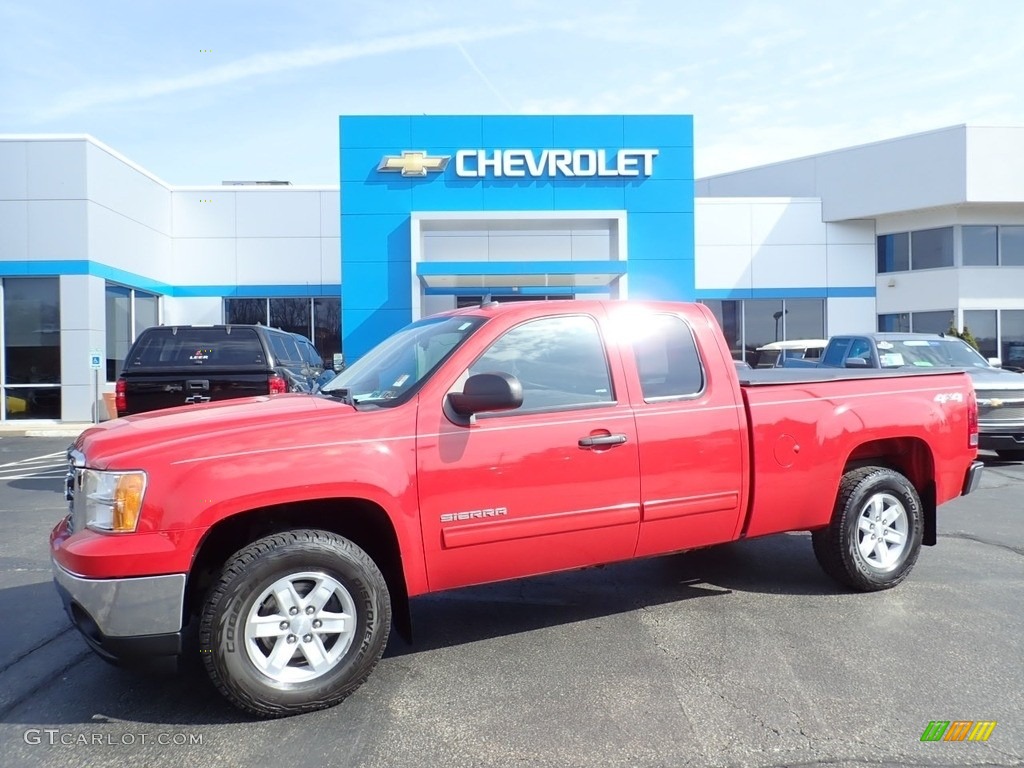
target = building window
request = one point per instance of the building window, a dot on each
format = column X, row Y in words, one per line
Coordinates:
column 931, row 322
column 1011, row 246
column 753, row 323
column 894, row 253
column 31, row 361
column 917, row 322
column 318, row 319
column 129, row 312
column 982, row 323
column 980, row 246
column 1011, row 338
column 931, row 248
column 327, row 327
column 894, row 323
column 924, row 249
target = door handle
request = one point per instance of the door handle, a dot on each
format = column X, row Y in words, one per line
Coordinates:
column 596, row 441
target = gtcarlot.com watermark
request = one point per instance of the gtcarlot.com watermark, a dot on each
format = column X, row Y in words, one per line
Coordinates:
column 55, row 737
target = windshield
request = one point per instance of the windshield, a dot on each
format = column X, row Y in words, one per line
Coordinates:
column 396, row 366
column 929, row 353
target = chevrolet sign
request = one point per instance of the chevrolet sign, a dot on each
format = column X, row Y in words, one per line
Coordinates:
column 520, row 163
column 413, row 163
column 517, row 163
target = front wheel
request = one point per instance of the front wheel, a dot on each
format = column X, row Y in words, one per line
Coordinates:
column 874, row 537
column 295, row 623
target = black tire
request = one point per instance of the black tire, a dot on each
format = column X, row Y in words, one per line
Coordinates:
column 1010, row 455
column 871, row 494
column 257, row 674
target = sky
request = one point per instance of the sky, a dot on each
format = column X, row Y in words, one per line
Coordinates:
column 202, row 92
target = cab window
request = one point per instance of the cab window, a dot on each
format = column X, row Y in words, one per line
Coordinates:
column 560, row 362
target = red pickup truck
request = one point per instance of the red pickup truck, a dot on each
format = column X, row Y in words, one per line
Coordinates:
column 489, row 443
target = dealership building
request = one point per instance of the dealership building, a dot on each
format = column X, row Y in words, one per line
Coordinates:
column 434, row 212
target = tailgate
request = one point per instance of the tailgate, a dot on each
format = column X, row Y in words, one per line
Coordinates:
column 153, row 392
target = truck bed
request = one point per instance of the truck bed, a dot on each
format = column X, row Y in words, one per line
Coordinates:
column 808, row 425
column 757, row 377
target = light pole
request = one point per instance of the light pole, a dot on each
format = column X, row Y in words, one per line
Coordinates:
column 778, row 316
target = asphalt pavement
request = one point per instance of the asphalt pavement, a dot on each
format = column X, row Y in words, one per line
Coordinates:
column 743, row 655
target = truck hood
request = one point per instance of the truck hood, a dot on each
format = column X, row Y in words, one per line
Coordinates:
column 996, row 378
column 211, row 429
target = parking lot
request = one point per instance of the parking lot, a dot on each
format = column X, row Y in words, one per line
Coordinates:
column 745, row 655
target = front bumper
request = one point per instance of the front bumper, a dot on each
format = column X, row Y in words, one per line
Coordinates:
column 1002, row 441
column 125, row 620
column 973, row 478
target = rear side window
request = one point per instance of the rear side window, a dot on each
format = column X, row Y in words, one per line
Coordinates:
column 667, row 359
column 284, row 349
column 196, row 347
column 835, row 354
column 860, row 348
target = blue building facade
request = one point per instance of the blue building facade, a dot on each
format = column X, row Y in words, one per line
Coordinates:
column 471, row 206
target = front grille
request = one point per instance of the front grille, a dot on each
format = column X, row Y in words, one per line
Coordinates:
column 999, row 407
column 72, row 488
column 1003, row 415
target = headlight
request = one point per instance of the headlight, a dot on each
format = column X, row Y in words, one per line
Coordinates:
column 113, row 500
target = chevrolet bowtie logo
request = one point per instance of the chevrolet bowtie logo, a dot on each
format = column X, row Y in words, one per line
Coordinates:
column 413, row 163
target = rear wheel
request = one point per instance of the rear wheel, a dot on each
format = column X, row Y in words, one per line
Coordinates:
column 874, row 537
column 296, row 622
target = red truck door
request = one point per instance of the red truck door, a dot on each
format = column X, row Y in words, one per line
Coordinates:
column 691, row 428
column 549, row 486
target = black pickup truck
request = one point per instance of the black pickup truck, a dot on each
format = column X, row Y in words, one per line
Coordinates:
column 170, row 366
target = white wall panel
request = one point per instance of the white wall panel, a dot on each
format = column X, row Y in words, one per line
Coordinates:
column 851, row 265
column 450, row 246
column 793, row 178
column 533, row 247
column 722, row 222
column 126, row 244
column 788, row 223
column 278, row 260
column 82, row 303
column 13, row 170
column 995, row 164
column 206, row 310
column 77, row 403
column 431, row 305
column 994, row 284
column 850, row 232
column 203, row 213
column 57, row 230
column 116, row 185
column 204, row 261
column 850, row 315
column 722, row 266
column 330, row 260
column 789, row 266
column 13, row 229
column 330, row 214
column 923, row 291
column 592, row 246
column 278, row 213
column 56, row 170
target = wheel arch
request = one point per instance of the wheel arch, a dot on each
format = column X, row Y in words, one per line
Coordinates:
column 362, row 522
column 911, row 457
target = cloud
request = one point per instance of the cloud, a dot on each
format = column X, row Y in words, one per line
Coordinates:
column 83, row 100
